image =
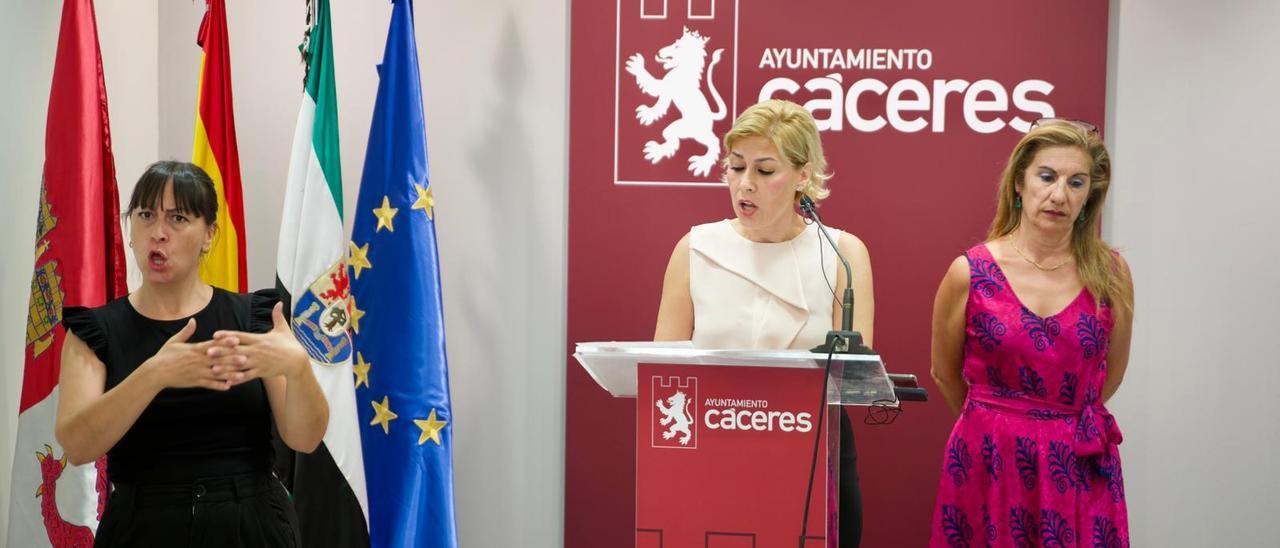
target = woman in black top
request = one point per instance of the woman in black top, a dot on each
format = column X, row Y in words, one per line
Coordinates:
column 178, row 384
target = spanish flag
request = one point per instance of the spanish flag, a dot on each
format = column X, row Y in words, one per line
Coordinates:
column 215, row 152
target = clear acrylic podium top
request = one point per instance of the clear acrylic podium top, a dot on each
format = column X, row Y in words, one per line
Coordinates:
column 855, row 379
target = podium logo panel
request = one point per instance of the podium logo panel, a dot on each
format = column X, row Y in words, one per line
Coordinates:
column 675, row 407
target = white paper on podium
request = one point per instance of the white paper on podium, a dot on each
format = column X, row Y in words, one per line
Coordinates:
column 613, row 364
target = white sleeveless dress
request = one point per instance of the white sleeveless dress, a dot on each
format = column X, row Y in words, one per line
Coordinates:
column 753, row 295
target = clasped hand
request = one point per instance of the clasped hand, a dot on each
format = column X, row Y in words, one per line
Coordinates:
column 230, row 357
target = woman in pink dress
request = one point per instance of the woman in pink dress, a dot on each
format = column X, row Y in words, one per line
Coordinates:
column 1031, row 337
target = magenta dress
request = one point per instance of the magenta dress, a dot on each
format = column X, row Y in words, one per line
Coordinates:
column 1032, row 460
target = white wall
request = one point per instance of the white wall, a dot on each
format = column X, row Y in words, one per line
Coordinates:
column 1196, row 191
column 28, row 40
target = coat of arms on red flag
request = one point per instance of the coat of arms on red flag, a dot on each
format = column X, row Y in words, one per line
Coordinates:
column 46, row 285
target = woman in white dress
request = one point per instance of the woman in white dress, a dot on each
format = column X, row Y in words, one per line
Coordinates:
column 765, row 279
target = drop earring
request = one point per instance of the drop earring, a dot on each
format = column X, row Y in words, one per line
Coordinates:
column 1017, row 201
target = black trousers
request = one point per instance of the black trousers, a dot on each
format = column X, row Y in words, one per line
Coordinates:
column 250, row 511
column 850, row 490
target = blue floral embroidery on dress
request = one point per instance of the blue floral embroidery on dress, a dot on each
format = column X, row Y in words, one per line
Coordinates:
column 1023, row 528
column 991, row 458
column 989, row 329
column 1002, row 389
column 1061, row 460
column 1109, row 468
column 1087, row 428
column 1028, row 460
column 1105, row 534
column 985, row 276
column 1093, row 336
column 955, row 525
column 1067, row 392
column 1055, row 532
column 1032, row 382
column 1041, row 330
column 1080, row 472
column 1115, row 485
column 988, row 525
column 959, row 461
column 1048, row 415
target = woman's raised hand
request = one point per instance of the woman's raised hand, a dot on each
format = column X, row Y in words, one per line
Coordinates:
column 259, row 355
column 180, row 364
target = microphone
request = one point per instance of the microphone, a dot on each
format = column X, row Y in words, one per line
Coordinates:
column 845, row 340
column 842, row 341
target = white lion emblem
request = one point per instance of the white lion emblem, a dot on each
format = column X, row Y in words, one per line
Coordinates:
column 676, row 413
column 683, row 60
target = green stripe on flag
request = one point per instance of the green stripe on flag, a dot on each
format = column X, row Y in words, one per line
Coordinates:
column 324, row 134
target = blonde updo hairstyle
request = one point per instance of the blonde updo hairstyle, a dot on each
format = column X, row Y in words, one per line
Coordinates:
column 792, row 130
column 1099, row 266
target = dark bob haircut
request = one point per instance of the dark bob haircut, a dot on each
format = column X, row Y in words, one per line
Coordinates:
column 193, row 191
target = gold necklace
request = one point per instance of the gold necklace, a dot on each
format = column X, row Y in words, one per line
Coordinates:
column 1032, row 261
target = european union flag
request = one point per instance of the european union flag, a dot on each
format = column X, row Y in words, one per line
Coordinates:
column 402, row 380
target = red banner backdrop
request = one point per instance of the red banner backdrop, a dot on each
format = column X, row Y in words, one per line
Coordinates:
column 919, row 103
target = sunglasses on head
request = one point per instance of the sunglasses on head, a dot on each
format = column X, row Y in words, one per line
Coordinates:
column 1088, row 127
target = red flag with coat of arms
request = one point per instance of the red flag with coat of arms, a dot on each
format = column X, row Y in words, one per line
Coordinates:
column 79, row 260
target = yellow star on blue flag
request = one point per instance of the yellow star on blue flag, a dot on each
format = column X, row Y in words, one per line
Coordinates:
column 430, row 428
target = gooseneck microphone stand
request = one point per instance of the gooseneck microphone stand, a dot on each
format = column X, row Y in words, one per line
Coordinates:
column 842, row 341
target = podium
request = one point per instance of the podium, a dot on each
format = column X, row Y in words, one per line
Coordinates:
column 725, row 439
